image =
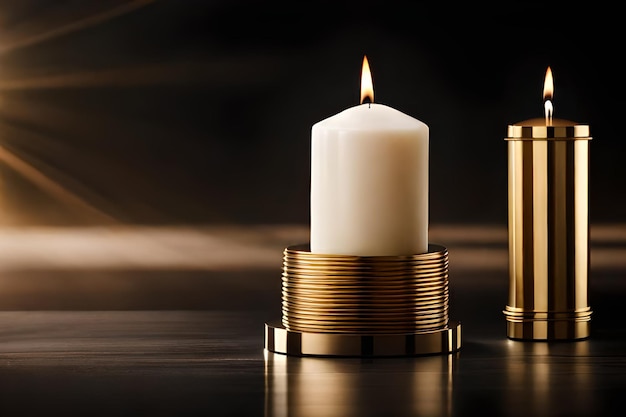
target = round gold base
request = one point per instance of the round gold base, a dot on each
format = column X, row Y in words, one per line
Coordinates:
column 441, row 341
column 548, row 330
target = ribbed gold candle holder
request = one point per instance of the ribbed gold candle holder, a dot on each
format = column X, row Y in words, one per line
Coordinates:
column 344, row 305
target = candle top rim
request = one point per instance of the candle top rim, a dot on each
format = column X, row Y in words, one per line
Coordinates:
column 541, row 122
column 538, row 129
column 371, row 117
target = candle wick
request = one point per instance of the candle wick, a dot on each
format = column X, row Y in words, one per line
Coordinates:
column 369, row 105
column 549, row 110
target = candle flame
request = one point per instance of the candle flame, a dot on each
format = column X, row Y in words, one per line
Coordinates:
column 367, row 87
column 548, row 93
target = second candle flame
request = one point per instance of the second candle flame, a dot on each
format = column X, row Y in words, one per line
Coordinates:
column 548, row 92
column 367, row 87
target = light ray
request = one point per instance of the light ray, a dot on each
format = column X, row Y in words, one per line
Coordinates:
column 237, row 72
column 75, row 26
column 50, row 186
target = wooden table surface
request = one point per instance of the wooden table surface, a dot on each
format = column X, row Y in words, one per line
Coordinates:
column 103, row 341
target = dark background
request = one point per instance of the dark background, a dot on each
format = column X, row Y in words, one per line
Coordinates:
column 171, row 112
column 199, row 112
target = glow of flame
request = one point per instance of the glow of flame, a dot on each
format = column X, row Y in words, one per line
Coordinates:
column 367, row 87
column 548, row 93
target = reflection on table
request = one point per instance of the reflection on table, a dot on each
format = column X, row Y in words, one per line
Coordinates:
column 342, row 387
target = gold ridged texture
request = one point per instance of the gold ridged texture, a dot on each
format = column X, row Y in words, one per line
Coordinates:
column 345, row 294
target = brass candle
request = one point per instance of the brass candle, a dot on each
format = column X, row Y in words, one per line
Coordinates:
column 548, row 227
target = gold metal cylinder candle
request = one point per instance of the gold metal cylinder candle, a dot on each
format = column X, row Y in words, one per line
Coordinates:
column 548, row 215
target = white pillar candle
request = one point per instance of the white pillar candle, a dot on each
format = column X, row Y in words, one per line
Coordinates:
column 369, row 183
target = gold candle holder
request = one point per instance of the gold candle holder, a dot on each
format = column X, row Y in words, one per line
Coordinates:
column 548, row 174
column 345, row 305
